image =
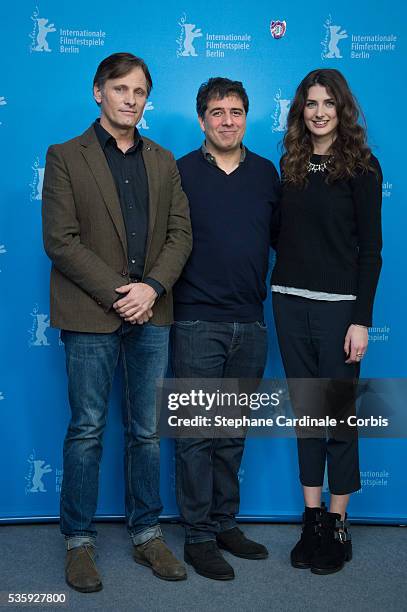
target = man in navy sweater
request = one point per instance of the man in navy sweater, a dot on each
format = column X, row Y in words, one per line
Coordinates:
column 219, row 329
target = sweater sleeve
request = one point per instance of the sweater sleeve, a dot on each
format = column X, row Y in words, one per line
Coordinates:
column 276, row 214
column 367, row 197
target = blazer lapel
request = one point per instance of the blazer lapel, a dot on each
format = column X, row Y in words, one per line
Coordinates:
column 153, row 178
column 92, row 152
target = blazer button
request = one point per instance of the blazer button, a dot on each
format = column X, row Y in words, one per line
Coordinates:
column 123, row 273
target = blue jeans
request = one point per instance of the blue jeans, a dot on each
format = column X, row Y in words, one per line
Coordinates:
column 91, row 360
column 207, row 468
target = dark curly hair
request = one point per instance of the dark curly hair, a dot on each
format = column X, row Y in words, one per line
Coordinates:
column 349, row 149
column 218, row 88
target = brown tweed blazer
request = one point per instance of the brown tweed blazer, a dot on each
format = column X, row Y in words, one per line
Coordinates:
column 85, row 237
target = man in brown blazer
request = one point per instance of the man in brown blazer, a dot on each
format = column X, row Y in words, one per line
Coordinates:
column 116, row 227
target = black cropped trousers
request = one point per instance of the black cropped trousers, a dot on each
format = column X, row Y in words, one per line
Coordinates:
column 311, row 335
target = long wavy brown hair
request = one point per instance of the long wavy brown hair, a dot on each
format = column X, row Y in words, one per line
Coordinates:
column 349, row 149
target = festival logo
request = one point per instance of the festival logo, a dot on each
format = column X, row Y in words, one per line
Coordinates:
column 188, row 33
column 361, row 45
column 3, row 102
column 2, row 396
column 142, row 124
column 40, row 30
column 69, row 40
column 280, row 112
column 240, row 475
column 37, row 468
column 216, row 44
column 37, row 181
column 278, row 28
column 333, row 35
column 39, row 326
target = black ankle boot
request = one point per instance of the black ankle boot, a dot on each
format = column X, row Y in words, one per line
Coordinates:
column 234, row 541
column 336, row 545
column 303, row 552
column 207, row 560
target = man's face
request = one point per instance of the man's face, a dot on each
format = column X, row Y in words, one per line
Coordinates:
column 224, row 124
column 122, row 100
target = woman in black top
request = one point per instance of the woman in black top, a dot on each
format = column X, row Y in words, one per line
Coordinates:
column 324, row 282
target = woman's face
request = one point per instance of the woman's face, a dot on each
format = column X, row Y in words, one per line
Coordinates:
column 320, row 114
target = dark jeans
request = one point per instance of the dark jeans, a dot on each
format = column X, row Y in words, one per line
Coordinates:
column 207, row 468
column 311, row 336
column 91, row 360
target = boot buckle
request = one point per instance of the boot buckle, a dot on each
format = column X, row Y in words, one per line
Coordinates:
column 342, row 536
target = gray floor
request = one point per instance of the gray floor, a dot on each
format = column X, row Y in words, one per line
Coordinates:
column 32, row 559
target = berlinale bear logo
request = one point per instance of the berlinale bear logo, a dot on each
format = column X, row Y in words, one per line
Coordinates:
column 333, row 35
column 188, row 33
column 280, row 113
column 36, row 470
column 40, row 30
column 39, row 326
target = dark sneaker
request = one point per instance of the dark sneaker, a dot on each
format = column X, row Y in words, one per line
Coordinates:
column 235, row 542
column 81, row 572
column 156, row 555
column 207, row 560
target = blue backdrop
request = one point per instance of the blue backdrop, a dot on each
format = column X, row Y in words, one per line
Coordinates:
column 50, row 52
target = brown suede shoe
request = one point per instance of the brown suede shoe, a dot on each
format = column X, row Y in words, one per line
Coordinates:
column 156, row 554
column 80, row 569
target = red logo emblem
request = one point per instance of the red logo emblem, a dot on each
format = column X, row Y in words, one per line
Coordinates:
column 278, row 28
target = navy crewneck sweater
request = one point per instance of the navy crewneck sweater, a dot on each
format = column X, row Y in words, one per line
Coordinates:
column 225, row 276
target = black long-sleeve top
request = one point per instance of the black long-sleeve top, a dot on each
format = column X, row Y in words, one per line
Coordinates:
column 330, row 237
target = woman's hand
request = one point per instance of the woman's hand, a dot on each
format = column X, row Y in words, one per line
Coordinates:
column 356, row 341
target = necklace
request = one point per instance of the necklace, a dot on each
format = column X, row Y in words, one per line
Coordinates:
column 319, row 167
